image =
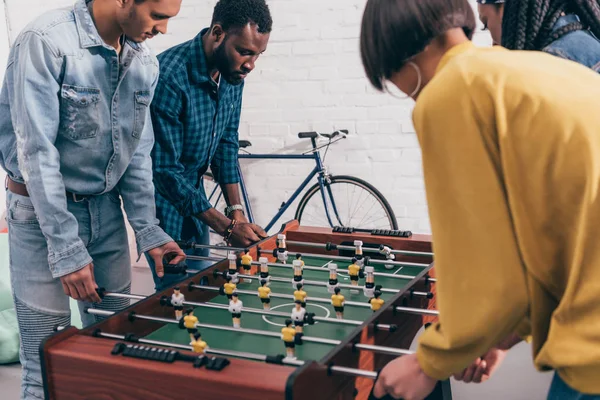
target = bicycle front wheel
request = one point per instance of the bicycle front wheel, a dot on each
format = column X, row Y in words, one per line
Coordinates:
column 358, row 205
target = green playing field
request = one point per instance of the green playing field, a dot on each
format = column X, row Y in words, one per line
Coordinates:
column 240, row 341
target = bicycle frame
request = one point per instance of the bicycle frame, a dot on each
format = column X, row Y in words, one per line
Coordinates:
column 318, row 171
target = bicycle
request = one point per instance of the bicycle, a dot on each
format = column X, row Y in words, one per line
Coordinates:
column 339, row 211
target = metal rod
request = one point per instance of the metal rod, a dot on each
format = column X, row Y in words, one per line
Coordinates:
column 309, row 339
column 409, row 310
column 257, row 332
column 254, row 311
column 371, row 261
column 212, row 246
column 243, row 355
column 284, row 296
column 208, row 350
column 421, row 311
column 341, row 285
column 379, row 349
column 354, row 372
column 364, row 249
column 308, row 268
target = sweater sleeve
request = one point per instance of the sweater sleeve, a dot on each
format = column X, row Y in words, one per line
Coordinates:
column 481, row 289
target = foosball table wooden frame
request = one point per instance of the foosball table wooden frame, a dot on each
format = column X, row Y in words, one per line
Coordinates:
column 77, row 364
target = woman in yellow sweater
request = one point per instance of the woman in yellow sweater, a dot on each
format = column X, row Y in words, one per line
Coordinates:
column 511, row 155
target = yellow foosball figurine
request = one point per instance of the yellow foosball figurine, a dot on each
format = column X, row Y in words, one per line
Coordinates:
column 376, row 302
column 338, row 301
column 235, row 308
column 264, row 294
column 288, row 335
column 354, row 271
column 300, row 295
column 247, row 262
column 198, row 345
column 229, row 288
column 189, row 322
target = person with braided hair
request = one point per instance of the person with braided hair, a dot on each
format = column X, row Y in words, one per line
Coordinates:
column 565, row 28
column 511, row 152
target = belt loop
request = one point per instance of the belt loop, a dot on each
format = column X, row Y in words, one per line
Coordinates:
column 6, row 183
column 83, row 198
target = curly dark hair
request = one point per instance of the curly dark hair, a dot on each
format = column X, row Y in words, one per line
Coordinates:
column 527, row 24
column 235, row 14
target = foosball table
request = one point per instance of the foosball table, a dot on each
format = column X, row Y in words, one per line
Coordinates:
column 334, row 306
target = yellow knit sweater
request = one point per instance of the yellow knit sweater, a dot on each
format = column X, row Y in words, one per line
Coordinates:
column 511, row 159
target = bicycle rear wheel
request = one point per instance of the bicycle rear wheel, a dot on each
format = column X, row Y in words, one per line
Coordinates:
column 359, row 205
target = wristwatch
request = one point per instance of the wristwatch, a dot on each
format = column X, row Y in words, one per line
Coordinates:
column 233, row 208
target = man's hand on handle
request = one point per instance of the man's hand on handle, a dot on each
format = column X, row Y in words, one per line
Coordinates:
column 245, row 234
column 81, row 285
column 171, row 252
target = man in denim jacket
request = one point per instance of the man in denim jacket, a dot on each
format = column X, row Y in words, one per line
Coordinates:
column 75, row 140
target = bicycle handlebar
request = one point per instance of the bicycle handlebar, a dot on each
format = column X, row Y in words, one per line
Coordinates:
column 313, row 135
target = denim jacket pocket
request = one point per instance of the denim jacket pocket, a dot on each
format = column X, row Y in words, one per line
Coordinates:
column 21, row 213
column 142, row 100
column 79, row 112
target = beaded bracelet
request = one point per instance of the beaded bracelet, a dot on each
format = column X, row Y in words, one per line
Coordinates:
column 229, row 230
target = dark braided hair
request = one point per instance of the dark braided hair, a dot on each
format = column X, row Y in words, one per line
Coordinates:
column 527, row 24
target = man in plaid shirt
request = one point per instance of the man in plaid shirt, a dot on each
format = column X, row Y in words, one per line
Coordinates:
column 196, row 115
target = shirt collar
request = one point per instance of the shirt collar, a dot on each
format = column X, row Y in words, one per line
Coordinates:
column 88, row 34
column 565, row 20
column 198, row 62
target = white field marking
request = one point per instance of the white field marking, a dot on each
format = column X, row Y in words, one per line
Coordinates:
column 397, row 271
column 264, row 317
column 340, row 274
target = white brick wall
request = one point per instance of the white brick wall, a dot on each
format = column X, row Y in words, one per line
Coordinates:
column 310, row 78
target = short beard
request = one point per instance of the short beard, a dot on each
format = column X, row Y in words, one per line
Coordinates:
column 223, row 66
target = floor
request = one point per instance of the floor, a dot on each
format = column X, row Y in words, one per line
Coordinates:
column 515, row 379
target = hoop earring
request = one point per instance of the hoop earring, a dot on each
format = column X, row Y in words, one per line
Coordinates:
column 419, row 82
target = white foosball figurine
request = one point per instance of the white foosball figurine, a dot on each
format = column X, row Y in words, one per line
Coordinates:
column 369, row 287
column 387, row 252
column 264, row 269
column 297, row 264
column 282, row 253
column 177, row 300
column 232, row 269
column 333, row 279
column 235, row 308
column 298, row 314
column 358, row 253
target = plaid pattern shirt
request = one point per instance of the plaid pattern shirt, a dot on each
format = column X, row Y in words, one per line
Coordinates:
column 195, row 126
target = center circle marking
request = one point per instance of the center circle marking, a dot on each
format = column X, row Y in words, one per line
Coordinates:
column 328, row 313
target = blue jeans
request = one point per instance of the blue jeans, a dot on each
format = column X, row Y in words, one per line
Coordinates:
column 39, row 299
column 189, row 233
column 559, row 390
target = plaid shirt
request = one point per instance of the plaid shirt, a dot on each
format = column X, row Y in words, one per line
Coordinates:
column 195, row 126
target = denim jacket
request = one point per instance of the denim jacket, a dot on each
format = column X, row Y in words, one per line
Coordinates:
column 579, row 46
column 74, row 117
